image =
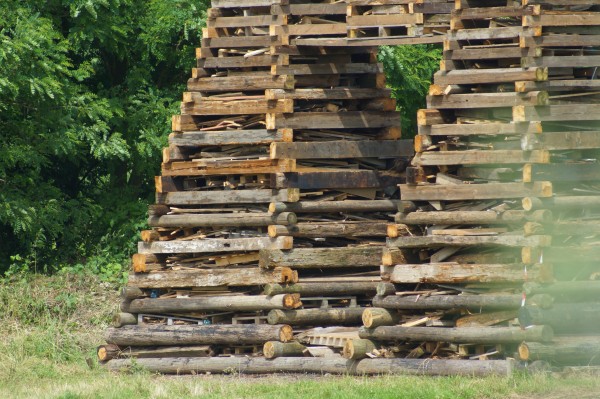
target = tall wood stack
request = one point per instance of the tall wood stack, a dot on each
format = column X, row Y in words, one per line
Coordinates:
column 278, row 197
column 506, row 182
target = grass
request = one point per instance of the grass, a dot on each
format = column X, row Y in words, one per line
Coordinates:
column 51, row 326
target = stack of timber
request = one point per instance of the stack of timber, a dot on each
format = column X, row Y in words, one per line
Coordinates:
column 506, row 183
column 279, row 181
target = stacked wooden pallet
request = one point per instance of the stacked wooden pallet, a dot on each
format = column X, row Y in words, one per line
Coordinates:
column 275, row 194
column 506, row 184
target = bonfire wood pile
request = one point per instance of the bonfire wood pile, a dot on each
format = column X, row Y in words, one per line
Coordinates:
column 279, row 230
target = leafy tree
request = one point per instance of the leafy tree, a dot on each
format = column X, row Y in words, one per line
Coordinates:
column 409, row 70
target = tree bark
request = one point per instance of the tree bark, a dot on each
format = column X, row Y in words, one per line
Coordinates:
column 443, row 302
column 316, row 317
column 471, row 335
column 375, row 317
column 331, row 229
column 564, row 318
column 323, row 289
column 231, row 334
column 107, row 352
column 222, row 220
column 565, row 350
column 336, row 206
column 124, row 319
column 320, row 258
column 356, row 349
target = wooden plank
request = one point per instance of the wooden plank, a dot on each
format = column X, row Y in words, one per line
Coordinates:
column 510, row 32
column 585, row 139
column 214, row 245
column 559, row 85
column 311, row 29
column 561, row 40
column 476, row 157
column 494, row 75
column 240, row 83
column 326, row 69
column 566, row 112
column 563, row 172
column 258, row 196
column 229, row 137
column 235, row 107
column 364, row 21
column 342, row 149
column 336, row 93
column 483, row 128
column 456, row 273
column 503, row 240
column 491, row 53
column 334, row 120
column 205, row 167
column 310, row 9
column 562, row 18
column 336, row 179
column 567, row 61
column 246, row 4
column 331, row 229
column 246, row 20
column 494, row 12
column 226, row 276
column 487, row 100
column 238, row 62
column 237, row 41
column 317, row 258
column 437, row 192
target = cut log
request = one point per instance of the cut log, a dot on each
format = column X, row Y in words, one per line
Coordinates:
column 132, row 293
column 107, row 352
column 375, row 317
column 310, row 258
column 227, row 197
column 247, row 219
column 124, row 319
column 564, row 318
column 214, row 245
column 337, row 206
column 213, row 278
column 384, row 289
column 443, row 302
column 564, row 350
column 568, row 289
column 323, row 289
column 230, row 334
column 331, row 229
column 473, row 217
column 472, row 335
column 356, row 349
column 317, row 365
column 273, row 349
column 239, row 303
column 317, row 317
column 508, row 240
column 393, row 256
column 562, row 203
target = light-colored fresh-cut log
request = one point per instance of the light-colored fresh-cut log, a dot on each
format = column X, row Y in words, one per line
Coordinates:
column 476, row 157
column 213, row 277
column 375, row 317
column 499, row 75
column 456, row 273
column 466, row 192
column 317, row 365
column 215, row 245
column 333, row 120
column 316, row 317
column 229, row 137
column 246, row 219
column 507, row 240
column 234, row 303
column 474, row 217
column 564, row 350
column 273, row 349
column 330, row 229
column 238, row 107
column 565, row 318
column 310, row 258
column 442, row 302
column 110, row 351
column 566, row 288
column 322, row 289
column 487, row 100
column 131, row 293
column 228, row 197
column 341, row 93
column 562, row 203
column 225, row 334
column 342, row 149
column 355, row 349
column 471, row 335
column 560, row 113
column 393, row 256
column 338, row 206
column 124, row 319
column 241, row 82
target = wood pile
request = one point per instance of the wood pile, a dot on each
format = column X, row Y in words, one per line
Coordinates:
column 506, row 183
column 278, row 227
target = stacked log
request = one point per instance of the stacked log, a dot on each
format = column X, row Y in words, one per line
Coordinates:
column 508, row 133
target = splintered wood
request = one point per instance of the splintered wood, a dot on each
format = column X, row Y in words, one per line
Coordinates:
column 285, row 215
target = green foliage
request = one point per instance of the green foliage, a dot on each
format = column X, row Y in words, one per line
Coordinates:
column 409, row 71
column 87, row 88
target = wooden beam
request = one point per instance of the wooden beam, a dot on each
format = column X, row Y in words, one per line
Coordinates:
column 342, row 149
column 465, row 192
column 258, row 196
column 504, row 240
column 214, row 245
column 333, row 120
column 318, row 258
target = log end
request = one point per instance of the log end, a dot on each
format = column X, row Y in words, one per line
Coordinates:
column 523, row 351
column 286, row 333
column 291, row 301
column 269, row 350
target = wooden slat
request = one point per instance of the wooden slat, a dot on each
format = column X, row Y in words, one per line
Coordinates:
column 466, row 192
column 342, row 149
column 214, row 245
column 259, row 196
